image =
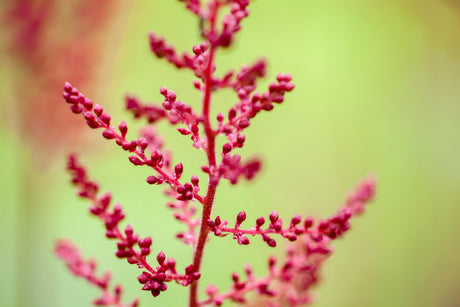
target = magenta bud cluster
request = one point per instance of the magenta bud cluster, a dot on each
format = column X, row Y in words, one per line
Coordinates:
column 220, row 138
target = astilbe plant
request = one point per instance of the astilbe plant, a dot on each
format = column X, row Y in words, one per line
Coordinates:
column 288, row 281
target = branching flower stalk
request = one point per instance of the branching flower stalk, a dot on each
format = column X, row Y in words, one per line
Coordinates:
column 288, row 281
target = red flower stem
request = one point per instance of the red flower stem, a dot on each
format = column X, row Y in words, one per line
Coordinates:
column 204, row 231
column 211, row 155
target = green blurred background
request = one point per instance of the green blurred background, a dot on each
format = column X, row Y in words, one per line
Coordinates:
column 377, row 91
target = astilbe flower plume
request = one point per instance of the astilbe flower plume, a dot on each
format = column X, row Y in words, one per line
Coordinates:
column 289, row 279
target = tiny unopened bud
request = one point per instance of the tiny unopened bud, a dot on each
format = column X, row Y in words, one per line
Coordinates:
column 105, row 118
column 161, row 258
column 135, row 160
column 189, row 269
column 211, row 290
column 196, row 275
column 67, row 86
column 98, row 110
column 241, row 217
column 196, row 50
column 271, row 243
column 197, row 84
column 271, row 261
column 226, row 148
column 144, row 277
column 178, row 169
column 231, row 113
column 194, row 128
column 260, row 221
column 145, row 242
column 108, row 134
column 180, row 189
column 123, row 127
column 308, row 222
column 172, row 96
column 296, row 219
column 76, row 109
column 220, row 117
column 243, row 240
column 273, row 216
column 316, row 237
column 244, row 123
column 129, row 230
column 184, row 131
column 195, row 180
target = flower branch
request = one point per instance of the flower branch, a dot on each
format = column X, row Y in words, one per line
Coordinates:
column 153, row 278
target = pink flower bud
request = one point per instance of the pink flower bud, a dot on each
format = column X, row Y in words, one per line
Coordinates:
column 243, row 240
column 260, row 221
column 135, row 160
column 108, row 134
column 145, row 242
column 123, row 127
column 240, row 218
column 152, row 180
column 189, row 269
column 76, row 109
column 296, row 219
column 195, row 180
column 226, row 148
column 271, row 243
column 273, row 216
column 98, row 110
column 244, row 123
column 178, row 169
column 184, row 131
column 308, row 222
column 144, row 277
column 172, row 96
column 161, row 258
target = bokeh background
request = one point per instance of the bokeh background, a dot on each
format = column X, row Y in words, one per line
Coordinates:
column 377, row 92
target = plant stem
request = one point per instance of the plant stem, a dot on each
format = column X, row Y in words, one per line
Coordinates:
column 211, row 155
column 212, row 184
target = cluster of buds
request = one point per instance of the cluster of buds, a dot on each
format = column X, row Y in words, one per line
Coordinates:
column 127, row 241
column 218, row 227
column 96, row 118
column 333, row 227
column 155, row 282
column 288, row 281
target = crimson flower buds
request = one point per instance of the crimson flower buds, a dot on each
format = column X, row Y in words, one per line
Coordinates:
column 307, row 240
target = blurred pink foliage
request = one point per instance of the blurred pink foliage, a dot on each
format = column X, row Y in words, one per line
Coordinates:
column 48, row 41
